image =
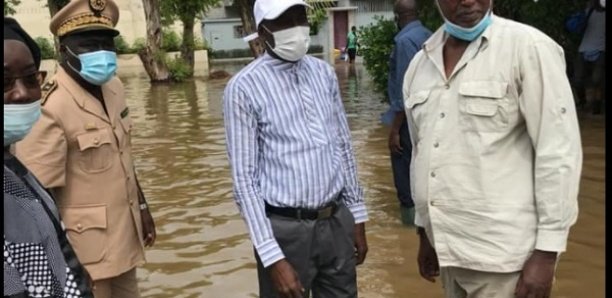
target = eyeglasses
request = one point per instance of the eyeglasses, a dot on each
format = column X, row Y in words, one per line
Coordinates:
column 33, row 80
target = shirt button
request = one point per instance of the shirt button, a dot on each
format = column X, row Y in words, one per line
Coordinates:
column 436, row 145
column 433, row 174
column 447, row 86
column 432, row 203
column 563, row 110
column 442, row 115
column 96, row 141
column 79, row 227
column 131, row 202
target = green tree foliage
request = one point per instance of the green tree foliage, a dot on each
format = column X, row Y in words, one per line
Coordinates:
column 47, row 50
column 9, row 6
column 376, row 42
column 186, row 11
column 546, row 15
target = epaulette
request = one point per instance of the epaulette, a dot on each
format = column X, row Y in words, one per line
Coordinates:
column 46, row 90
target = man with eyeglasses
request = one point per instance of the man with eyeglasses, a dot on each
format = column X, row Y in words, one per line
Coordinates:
column 80, row 149
column 496, row 154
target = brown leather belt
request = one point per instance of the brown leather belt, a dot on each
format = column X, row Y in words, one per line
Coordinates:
column 301, row 213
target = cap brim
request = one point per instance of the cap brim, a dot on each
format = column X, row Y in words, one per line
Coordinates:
column 111, row 31
column 273, row 14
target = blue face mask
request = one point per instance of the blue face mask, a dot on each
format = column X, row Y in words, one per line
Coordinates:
column 96, row 67
column 467, row 34
column 18, row 120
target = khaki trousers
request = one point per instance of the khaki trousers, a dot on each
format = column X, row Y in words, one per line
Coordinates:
column 465, row 283
column 122, row 286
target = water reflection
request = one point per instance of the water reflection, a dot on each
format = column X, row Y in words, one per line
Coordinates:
column 203, row 248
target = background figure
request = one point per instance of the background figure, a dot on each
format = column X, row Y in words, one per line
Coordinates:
column 352, row 43
column 590, row 65
column 81, row 150
column 38, row 259
column 293, row 167
column 497, row 154
column 408, row 41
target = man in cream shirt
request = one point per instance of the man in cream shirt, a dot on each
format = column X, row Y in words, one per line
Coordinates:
column 496, row 154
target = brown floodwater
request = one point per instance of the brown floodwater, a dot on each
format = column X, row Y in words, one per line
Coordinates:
column 203, row 249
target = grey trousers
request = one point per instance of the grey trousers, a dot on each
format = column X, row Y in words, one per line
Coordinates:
column 320, row 251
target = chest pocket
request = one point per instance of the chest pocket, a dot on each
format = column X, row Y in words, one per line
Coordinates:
column 96, row 151
column 417, row 108
column 484, row 106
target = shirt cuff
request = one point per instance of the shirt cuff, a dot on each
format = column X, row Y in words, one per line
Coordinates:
column 554, row 241
column 269, row 252
column 359, row 212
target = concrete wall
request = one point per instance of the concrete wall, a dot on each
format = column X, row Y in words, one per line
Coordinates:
column 220, row 34
column 34, row 17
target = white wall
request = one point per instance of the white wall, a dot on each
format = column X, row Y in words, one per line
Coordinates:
column 34, row 18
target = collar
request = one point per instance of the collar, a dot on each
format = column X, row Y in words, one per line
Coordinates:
column 79, row 94
column 439, row 37
column 410, row 26
column 281, row 65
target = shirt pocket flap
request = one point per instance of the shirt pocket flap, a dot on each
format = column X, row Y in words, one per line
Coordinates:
column 417, row 98
column 93, row 139
column 81, row 219
column 481, row 108
column 483, row 89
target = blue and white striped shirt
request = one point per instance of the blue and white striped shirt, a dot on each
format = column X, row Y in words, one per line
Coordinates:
column 288, row 143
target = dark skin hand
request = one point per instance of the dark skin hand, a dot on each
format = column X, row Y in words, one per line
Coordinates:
column 148, row 225
column 427, row 258
column 537, row 275
column 285, row 280
column 395, row 146
column 361, row 244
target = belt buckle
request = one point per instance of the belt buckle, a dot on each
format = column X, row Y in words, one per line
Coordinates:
column 325, row 212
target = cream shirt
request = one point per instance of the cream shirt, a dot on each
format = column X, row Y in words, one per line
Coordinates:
column 496, row 148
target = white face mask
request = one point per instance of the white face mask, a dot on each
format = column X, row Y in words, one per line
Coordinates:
column 602, row 3
column 291, row 44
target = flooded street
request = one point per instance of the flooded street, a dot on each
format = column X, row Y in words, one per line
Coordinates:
column 203, row 249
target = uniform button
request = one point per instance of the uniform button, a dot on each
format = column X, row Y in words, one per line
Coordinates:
column 436, row 145
column 96, row 141
column 433, row 174
column 79, row 227
column 432, row 203
column 447, row 86
column 442, row 115
column 131, row 202
column 563, row 110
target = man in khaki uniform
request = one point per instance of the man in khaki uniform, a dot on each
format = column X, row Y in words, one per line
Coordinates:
column 80, row 149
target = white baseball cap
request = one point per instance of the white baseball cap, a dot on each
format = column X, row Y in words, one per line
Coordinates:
column 271, row 9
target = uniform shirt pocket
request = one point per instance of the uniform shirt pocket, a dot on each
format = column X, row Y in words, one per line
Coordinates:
column 484, row 106
column 416, row 106
column 86, row 230
column 96, row 151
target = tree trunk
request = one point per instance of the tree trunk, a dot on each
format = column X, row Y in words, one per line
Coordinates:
column 153, row 59
column 248, row 24
column 187, row 47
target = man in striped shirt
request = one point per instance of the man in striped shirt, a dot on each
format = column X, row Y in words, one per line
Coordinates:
column 295, row 178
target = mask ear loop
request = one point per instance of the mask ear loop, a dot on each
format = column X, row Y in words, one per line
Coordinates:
column 272, row 34
column 73, row 55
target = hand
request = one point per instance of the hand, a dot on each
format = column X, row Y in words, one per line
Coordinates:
column 427, row 259
column 148, row 227
column 394, row 143
column 361, row 244
column 537, row 275
column 286, row 280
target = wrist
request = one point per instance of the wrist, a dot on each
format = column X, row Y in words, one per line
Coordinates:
column 550, row 255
